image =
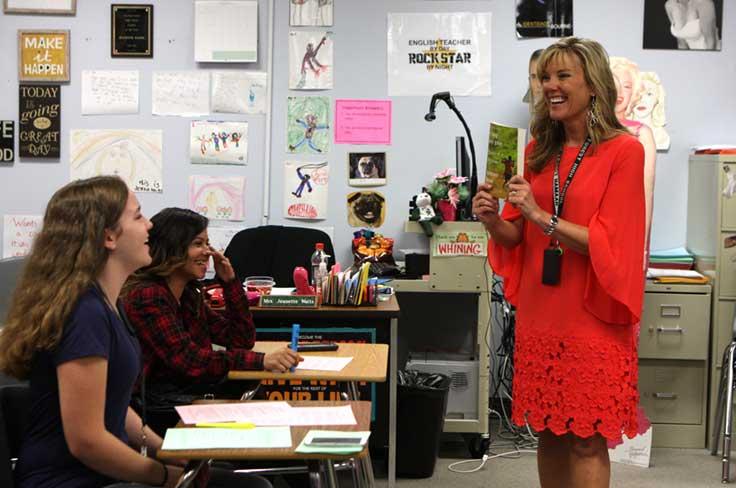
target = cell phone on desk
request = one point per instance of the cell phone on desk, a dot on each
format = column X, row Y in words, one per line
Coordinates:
column 330, row 346
column 334, row 441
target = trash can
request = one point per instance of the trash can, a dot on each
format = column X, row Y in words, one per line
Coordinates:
column 421, row 407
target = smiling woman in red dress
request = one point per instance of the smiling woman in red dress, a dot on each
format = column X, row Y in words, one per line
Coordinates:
column 571, row 256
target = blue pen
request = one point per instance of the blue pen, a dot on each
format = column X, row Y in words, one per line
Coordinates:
column 294, row 339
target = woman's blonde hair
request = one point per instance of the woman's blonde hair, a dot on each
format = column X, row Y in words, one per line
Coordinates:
column 67, row 256
column 658, row 117
column 602, row 121
column 619, row 63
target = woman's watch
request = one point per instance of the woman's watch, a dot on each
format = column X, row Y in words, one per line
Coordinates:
column 551, row 226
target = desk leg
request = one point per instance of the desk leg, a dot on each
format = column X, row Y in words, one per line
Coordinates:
column 190, row 472
column 330, row 474
column 315, row 477
column 392, row 372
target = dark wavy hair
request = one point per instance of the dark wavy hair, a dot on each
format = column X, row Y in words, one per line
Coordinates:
column 173, row 230
column 67, row 256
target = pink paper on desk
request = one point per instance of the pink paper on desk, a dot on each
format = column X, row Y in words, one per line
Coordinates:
column 261, row 413
column 362, row 121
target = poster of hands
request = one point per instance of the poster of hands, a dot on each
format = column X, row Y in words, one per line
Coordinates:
column 641, row 100
column 308, row 125
column 310, row 12
column 218, row 142
column 310, row 60
column 133, row 155
column 305, row 189
column 219, row 198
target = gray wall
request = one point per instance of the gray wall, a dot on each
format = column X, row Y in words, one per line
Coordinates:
column 701, row 104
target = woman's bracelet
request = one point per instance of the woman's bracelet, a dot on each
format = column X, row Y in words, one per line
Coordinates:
column 166, row 474
column 551, row 226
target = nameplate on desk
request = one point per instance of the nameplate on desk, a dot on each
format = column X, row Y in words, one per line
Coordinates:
column 288, row 301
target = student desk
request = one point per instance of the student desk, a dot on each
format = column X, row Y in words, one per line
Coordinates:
column 383, row 318
column 362, row 412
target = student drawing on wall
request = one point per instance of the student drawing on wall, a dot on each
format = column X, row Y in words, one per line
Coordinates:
column 223, row 139
column 203, row 140
column 235, row 138
column 303, row 181
column 310, row 59
column 310, row 126
column 216, row 140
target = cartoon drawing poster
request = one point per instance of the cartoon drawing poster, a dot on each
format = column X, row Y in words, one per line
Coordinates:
column 219, row 198
column 310, row 12
column 308, row 125
column 310, row 60
column 133, row 155
column 218, row 142
column 305, row 189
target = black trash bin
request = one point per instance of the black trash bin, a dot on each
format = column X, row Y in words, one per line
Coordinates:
column 421, row 407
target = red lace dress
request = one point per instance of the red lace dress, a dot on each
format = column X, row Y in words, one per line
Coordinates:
column 575, row 360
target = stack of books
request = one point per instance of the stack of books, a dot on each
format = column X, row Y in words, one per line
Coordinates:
column 676, row 258
column 350, row 288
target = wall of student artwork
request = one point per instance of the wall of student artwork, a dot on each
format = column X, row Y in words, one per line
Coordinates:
column 701, row 108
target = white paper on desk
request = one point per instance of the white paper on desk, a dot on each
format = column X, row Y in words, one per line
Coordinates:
column 259, row 413
column 215, row 438
column 184, row 93
column 322, row 416
column 109, row 92
column 679, row 273
column 324, row 363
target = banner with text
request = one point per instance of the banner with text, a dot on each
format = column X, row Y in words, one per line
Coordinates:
column 432, row 52
column 459, row 243
column 18, row 234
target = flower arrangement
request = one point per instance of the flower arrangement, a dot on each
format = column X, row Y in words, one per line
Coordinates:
column 448, row 193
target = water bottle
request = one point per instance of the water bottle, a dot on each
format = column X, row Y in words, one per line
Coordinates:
column 318, row 256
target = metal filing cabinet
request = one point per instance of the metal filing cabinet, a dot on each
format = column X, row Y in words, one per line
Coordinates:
column 711, row 236
column 673, row 363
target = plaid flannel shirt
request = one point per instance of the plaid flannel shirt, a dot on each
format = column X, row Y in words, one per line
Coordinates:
column 176, row 339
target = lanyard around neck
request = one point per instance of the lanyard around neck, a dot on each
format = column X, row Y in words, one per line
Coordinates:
column 559, row 197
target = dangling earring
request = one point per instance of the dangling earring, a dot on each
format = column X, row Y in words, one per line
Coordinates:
column 592, row 116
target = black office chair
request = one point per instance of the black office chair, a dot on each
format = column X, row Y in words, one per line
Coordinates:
column 275, row 250
column 15, row 403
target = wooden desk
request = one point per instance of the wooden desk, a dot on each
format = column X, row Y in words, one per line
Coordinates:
column 383, row 318
column 361, row 410
column 369, row 363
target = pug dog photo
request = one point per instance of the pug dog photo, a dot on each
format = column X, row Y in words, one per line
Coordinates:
column 367, row 169
column 366, row 208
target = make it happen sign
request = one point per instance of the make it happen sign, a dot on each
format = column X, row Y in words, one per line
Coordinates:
column 43, row 55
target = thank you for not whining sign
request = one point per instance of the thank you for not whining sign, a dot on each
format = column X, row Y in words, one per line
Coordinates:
column 459, row 243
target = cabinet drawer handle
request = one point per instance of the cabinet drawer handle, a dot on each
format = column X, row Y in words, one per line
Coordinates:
column 674, row 330
column 666, row 396
column 670, row 310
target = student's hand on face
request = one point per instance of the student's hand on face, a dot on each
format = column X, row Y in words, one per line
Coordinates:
column 223, row 268
column 281, row 361
column 485, row 206
column 521, row 196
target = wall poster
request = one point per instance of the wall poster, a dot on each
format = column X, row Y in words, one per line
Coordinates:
column 7, row 141
column 43, row 55
column 433, row 52
column 39, row 121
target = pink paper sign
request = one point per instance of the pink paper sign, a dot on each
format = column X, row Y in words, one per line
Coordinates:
column 362, row 121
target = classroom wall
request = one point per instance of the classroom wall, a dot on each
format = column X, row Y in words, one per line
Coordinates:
column 701, row 105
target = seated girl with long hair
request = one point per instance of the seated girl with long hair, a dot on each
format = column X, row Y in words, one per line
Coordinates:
column 177, row 328
column 64, row 334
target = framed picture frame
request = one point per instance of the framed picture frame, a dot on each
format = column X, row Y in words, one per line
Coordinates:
column 43, row 55
column 131, row 30
column 366, row 168
column 48, row 7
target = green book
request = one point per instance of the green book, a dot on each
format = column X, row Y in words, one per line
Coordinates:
column 505, row 157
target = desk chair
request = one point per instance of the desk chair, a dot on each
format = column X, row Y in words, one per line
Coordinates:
column 15, row 403
column 275, row 250
column 725, row 403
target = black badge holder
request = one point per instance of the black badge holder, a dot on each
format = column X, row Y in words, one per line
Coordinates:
column 551, row 265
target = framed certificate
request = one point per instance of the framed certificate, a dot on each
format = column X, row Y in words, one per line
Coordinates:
column 132, row 31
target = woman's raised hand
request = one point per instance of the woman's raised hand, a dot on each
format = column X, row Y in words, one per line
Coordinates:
column 223, row 268
column 485, row 205
column 521, row 197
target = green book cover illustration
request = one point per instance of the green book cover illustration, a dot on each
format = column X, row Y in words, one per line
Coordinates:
column 505, row 157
